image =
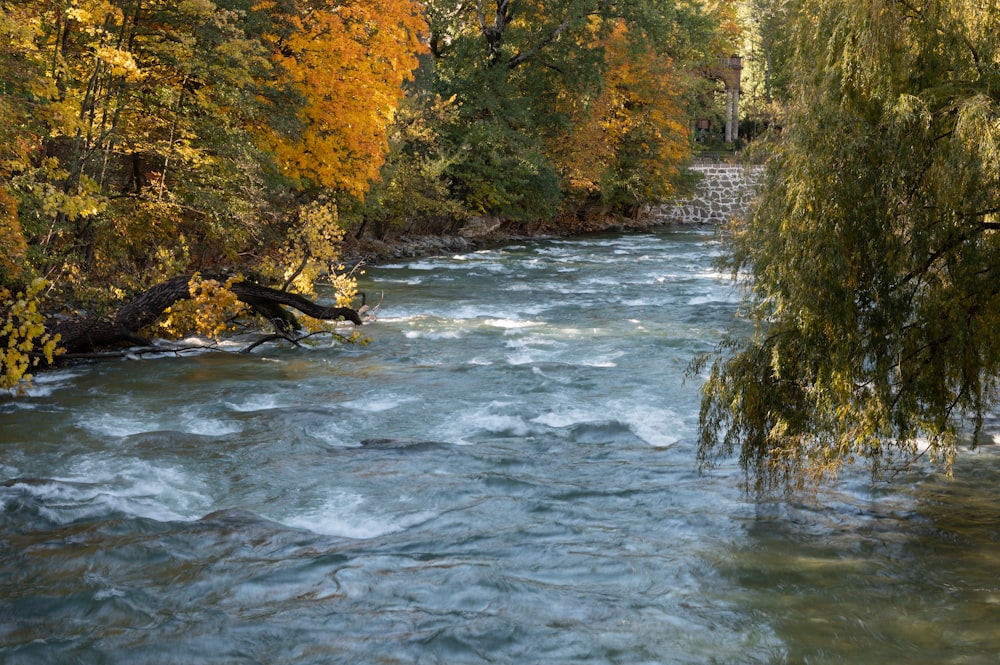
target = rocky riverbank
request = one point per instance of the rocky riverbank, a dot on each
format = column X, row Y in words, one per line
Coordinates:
column 480, row 234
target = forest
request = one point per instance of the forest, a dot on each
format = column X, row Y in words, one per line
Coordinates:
column 228, row 142
column 169, row 167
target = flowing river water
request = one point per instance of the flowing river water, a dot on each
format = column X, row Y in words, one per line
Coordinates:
column 505, row 474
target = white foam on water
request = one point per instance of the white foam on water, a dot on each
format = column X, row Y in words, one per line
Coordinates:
column 640, row 302
column 714, row 275
column 659, row 427
column 329, row 433
column 195, row 424
column 419, row 265
column 111, row 425
column 600, row 281
column 705, row 300
column 99, row 487
column 145, row 489
column 466, row 312
column 409, row 281
column 522, row 358
column 507, row 425
column 379, row 404
column 489, row 420
column 536, row 350
column 108, row 593
column 344, row 515
column 20, row 403
column 432, row 334
column 403, row 317
column 605, row 361
column 562, row 419
column 512, row 324
column 44, row 384
column 254, row 402
column 551, row 376
column 525, row 350
column 59, row 377
column 119, row 426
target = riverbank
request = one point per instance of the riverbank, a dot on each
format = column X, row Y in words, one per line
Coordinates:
column 480, row 234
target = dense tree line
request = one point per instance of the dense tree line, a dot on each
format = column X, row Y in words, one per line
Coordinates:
column 215, row 154
column 141, row 140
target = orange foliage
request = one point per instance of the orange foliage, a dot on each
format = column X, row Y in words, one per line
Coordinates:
column 348, row 61
column 636, row 127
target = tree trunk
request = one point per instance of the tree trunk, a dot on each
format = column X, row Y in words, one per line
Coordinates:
column 99, row 332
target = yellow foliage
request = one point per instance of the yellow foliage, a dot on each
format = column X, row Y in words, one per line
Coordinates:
column 94, row 15
column 23, row 340
column 636, row 125
column 170, row 260
column 729, row 33
column 209, row 311
column 312, row 252
column 311, row 248
column 13, row 246
column 86, row 201
column 349, row 62
column 122, row 63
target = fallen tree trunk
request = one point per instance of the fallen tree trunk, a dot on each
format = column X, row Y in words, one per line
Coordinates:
column 85, row 334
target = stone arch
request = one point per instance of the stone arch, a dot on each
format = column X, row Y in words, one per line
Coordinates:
column 728, row 70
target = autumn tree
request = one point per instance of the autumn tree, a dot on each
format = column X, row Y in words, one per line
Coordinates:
column 626, row 144
column 872, row 258
column 347, row 61
column 142, row 139
column 527, row 75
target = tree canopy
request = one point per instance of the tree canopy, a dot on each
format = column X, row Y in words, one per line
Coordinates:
column 871, row 263
column 554, row 104
column 143, row 140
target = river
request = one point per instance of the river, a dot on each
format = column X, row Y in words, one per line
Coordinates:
column 505, row 474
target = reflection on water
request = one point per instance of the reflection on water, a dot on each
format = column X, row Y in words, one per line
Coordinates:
column 902, row 573
column 506, row 474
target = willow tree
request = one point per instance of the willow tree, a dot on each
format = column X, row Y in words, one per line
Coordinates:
column 872, row 262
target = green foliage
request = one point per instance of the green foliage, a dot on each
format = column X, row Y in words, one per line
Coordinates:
column 502, row 172
column 768, row 54
column 872, row 258
column 139, row 137
column 414, row 192
column 533, row 82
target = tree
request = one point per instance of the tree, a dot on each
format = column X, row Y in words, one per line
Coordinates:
column 87, row 333
column 347, row 61
column 142, row 139
column 528, row 75
column 873, row 258
column 765, row 50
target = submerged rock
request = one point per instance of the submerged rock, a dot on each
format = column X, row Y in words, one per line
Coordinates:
column 399, row 444
column 237, row 518
column 29, row 481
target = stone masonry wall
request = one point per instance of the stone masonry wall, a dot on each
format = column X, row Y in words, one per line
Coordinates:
column 725, row 192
